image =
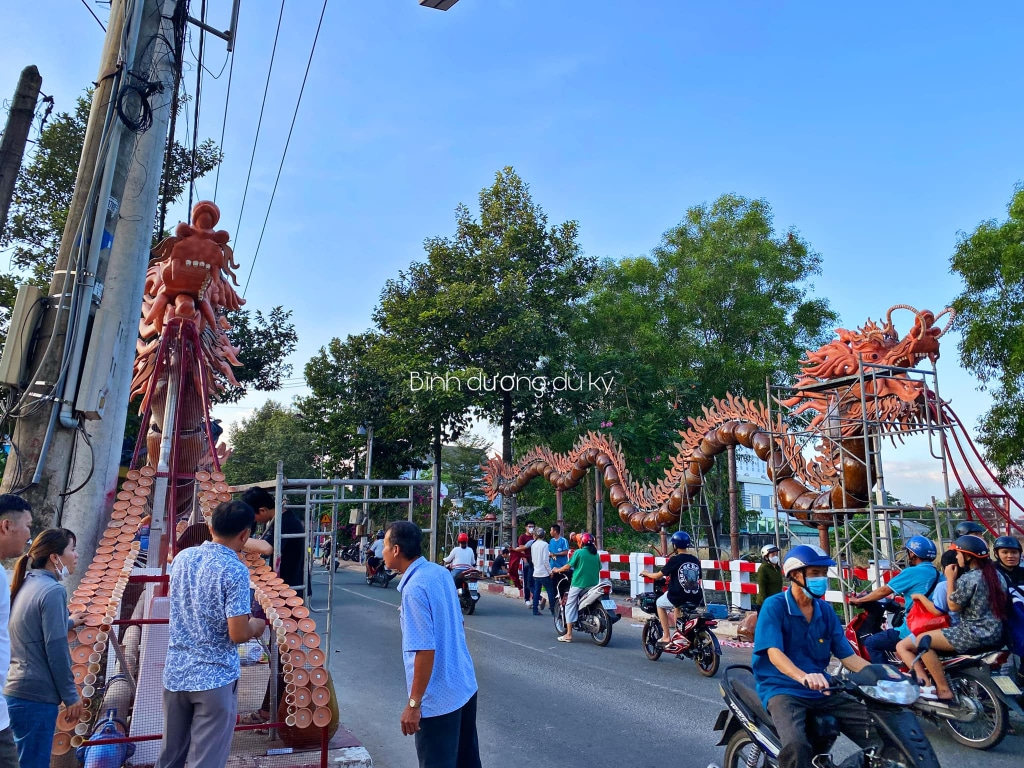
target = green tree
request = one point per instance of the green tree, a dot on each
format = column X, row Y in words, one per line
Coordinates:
column 492, row 300
column 265, row 343
column 271, row 434
column 990, row 260
column 460, row 465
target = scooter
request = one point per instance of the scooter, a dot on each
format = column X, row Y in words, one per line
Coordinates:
column 596, row 613
column 979, row 717
column 466, row 578
column 377, row 573
column 351, row 552
column 751, row 741
column 693, row 638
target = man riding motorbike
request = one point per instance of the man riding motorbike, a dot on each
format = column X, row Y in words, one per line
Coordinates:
column 684, row 593
column 797, row 635
column 376, row 556
column 920, row 577
column 462, row 555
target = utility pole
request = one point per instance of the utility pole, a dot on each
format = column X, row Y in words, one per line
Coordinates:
column 12, row 146
column 85, row 512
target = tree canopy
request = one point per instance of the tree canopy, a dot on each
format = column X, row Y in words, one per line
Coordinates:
column 272, row 433
column 989, row 310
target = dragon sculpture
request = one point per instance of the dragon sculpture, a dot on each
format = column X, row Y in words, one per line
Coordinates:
column 183, row 356
column 815, row 490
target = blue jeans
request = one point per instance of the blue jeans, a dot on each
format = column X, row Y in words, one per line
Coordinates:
column 33, row 723
column 543, row 581
column 877, row 645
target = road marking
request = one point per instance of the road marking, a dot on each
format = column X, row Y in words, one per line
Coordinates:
column 549, row 652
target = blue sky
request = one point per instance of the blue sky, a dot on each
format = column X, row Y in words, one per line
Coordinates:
column 878, row 130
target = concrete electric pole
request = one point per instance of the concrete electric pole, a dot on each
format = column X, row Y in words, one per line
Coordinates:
column 12, row 146
column 73, row 413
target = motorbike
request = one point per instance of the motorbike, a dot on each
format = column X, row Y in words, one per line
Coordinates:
column 351, row 552
column 377, row 572
column 979, row 717
column 693, row 638
column 596, row 613
column 466, row 578
column 751, row 741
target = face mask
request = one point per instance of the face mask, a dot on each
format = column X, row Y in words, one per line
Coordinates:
column 816, row 586
column 529, row 529
column 773, row 559
column 63, row 573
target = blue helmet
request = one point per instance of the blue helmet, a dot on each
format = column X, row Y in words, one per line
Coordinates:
column 921, row 547
column 680, row 540
column 805, row 556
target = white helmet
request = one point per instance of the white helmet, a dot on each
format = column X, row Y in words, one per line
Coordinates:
column 767, row 549
column 805, row 556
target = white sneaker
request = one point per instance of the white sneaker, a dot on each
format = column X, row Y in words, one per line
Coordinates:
column 928, row 692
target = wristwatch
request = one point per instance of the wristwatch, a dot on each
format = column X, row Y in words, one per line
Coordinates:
column 413, row 703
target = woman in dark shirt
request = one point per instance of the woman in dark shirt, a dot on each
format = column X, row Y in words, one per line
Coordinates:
column 768, row 576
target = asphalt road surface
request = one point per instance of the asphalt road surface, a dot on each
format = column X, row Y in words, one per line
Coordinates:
column 543, row 703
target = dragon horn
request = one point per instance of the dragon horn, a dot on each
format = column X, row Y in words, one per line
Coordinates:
column 894, row 307
column 952, row 316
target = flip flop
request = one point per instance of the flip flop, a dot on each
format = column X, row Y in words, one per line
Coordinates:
column 564, row 639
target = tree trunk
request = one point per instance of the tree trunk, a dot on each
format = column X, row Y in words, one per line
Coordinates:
column 507, row 514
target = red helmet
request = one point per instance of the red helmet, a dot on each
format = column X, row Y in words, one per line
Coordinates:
column 463, row 538
column 586, row 538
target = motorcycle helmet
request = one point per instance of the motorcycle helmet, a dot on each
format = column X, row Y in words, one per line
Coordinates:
column 380, row 534
column 463, row 538
column 805, row 556
column 974, row 546
column 680, row 540
column 967, row 528
column 921, row 547
column 586, row 538
column 767, row 549
column 1006, row 542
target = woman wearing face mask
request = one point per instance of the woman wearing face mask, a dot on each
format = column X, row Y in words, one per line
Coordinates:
column 40, row 676
column 768, row 577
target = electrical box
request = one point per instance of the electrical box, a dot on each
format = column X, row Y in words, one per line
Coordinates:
column 98, row 375
column 24, row 317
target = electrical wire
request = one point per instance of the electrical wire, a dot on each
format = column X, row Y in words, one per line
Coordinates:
column 93, row 14
column 284, row 154
column 259, row 123
column 224, row 124
column 199, row 97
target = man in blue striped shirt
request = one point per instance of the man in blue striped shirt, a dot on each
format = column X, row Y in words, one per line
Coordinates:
column 441, row 711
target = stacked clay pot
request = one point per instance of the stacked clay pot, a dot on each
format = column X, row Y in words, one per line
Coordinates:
column 308, row 702
column 211, row 490
column 98, row 596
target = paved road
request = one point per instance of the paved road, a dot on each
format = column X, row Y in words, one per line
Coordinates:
column 544, row 703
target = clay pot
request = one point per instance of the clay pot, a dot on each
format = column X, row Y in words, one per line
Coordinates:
column 309, row 736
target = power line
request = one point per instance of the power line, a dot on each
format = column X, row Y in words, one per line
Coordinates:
column 93, row 14
column 199, row 93
column 259, row 123
column 224, row 125
column 287, row 142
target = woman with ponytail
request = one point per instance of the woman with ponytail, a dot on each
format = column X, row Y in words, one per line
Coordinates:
column 978, row 593
column 40, row 676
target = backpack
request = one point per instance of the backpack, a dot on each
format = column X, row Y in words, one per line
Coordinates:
column 1013, row 627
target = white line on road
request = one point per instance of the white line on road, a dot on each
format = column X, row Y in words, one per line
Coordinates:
column 549, row 652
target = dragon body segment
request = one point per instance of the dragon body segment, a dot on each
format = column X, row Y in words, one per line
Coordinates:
column 835, row 481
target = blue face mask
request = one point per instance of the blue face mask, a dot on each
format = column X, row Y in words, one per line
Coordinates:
column 816, row 586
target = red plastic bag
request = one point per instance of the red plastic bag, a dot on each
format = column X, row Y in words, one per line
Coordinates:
column 920, row 620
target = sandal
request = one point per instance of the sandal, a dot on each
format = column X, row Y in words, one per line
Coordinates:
column 253, row 718
column 565, row 639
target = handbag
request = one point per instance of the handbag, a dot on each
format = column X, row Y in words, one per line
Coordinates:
column 919, row 620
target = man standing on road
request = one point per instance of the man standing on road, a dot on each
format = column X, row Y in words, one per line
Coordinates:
column 441, row 711
column 209, row 618
column 521, row 552
column 15, row 521
column 541, row 571
column 558, row 547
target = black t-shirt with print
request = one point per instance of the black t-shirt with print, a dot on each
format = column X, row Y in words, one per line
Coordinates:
column 293, row 551
column 682, row 572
